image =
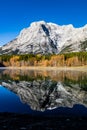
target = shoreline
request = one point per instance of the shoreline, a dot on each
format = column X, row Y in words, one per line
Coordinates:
column 78, row 68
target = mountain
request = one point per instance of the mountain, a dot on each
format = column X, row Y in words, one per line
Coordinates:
column 41, row 95
column 44, row 38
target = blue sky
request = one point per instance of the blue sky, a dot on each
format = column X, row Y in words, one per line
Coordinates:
column 18, row 14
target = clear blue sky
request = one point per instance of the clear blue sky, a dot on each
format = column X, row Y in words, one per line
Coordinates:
column 18, row 14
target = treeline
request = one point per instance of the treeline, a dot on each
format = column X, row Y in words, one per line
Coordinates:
column 68, row 59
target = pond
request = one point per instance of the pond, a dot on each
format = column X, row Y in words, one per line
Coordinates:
column 43, row 92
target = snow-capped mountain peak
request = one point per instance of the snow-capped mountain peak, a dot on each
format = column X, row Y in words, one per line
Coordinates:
column 44, row 38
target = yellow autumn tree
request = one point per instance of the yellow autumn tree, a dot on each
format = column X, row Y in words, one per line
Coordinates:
column 14, row 61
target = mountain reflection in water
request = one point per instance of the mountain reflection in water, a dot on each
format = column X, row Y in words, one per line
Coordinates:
column 46, row 90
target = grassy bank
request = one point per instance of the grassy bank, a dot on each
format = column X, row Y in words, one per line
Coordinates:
column 79, row 68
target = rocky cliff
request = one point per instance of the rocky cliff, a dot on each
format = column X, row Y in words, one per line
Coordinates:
column 44, row 38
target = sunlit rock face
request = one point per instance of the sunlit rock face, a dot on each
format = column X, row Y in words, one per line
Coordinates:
column 44, row 38
column 46, row 94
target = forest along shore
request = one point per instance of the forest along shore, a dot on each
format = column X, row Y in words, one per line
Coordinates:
column 74, row 59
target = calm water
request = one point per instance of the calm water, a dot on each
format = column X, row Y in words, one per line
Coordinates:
column 43, row 92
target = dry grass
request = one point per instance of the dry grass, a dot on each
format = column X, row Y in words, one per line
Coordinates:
column 80, row 68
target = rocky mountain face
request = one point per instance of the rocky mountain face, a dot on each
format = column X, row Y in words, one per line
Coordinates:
column 45, row 38
column 47, row 94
